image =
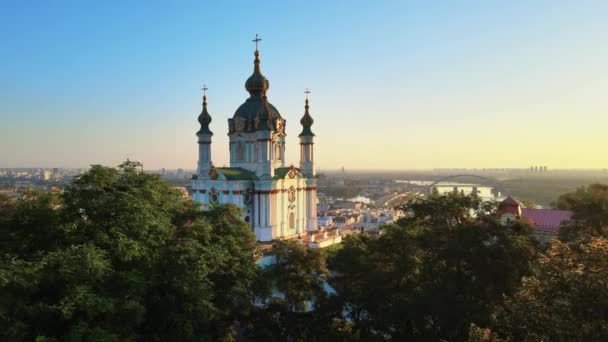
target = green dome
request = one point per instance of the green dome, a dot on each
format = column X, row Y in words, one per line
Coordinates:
column 306, row 122
column 256, row 108
column 204, row 119
column 257, row 84
column 253, row 106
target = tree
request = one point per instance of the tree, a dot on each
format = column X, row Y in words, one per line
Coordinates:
column 121, row 256
column 590, row 213
column 528, row 203
column 298, row 307
column 446, row 211
column 446, row 265
column 566, row 300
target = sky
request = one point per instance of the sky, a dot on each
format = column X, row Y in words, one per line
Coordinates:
column 395, row 84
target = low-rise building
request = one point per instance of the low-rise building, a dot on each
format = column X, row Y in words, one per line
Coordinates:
column 546, row 222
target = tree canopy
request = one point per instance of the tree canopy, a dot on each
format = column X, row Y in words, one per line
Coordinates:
column 121, row 256
column 446, row 265
column 590, row 213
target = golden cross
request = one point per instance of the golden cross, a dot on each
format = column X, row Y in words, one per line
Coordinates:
column 307, row 92
column 205, row 90
column 257, row 40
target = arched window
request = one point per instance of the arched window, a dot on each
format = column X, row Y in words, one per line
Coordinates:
column 277, row 151
column 240, row 151
column 292, row 220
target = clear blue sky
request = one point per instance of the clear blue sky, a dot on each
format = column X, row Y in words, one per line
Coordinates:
column 395, row 84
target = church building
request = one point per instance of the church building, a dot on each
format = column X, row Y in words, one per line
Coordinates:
column 278, row 199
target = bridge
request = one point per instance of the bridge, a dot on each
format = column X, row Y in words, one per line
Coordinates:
column 488, row 181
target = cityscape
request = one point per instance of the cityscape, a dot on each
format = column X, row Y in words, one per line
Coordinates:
column 416, row 172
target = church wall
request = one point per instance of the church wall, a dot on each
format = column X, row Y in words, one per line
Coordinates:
column 227, row 191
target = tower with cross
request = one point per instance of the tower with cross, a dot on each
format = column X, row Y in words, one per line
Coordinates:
column 256, row 41
column 204, row 135
column 277, row 199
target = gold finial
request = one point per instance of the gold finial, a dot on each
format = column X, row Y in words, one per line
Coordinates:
column 256, row 41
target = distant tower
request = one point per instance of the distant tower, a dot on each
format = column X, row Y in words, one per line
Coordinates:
column 307, row 142
column 204, row 138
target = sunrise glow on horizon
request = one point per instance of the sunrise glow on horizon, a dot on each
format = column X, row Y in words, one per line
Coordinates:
column 393, row 85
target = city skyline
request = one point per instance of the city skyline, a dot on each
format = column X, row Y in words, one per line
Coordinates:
column 394, row 86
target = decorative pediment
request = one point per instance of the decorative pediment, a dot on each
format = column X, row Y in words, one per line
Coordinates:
column 293, row 172
column 213, row 173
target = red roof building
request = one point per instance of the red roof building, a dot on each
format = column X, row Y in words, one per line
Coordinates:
column 544, row 221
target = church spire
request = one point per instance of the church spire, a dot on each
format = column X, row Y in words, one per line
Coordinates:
column 257, row 84
column 306, row 120
column 204, row 118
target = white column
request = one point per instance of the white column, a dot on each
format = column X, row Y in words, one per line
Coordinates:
column 258, row 210
column 306, row 162
column 264, row 222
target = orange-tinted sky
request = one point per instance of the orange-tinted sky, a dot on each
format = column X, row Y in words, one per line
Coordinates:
column 394, row 84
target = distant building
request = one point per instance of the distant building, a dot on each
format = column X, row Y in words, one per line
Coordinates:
column 546, row 222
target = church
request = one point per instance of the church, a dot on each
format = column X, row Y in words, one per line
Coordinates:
column 277, row 200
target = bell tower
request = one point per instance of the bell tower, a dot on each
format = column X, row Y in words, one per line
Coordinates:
column 204, row 138
column 307, row 142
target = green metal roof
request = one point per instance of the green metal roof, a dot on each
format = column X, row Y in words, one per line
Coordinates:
column 281, row 172
column 236, row 173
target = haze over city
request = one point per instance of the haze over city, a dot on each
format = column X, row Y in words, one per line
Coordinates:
column 394, row 85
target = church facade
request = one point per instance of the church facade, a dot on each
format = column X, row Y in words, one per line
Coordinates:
column 276, row 200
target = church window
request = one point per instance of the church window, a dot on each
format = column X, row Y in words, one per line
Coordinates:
column 292, row 220
column 240, row 151
column 277, row 151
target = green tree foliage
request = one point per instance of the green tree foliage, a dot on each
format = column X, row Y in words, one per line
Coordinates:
column 297, row 273
column 590, row 207
column 120, row 256
column 566, row 300
column 297, row 307
column 445, row 266
column 528, row 203
column 445, row 211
